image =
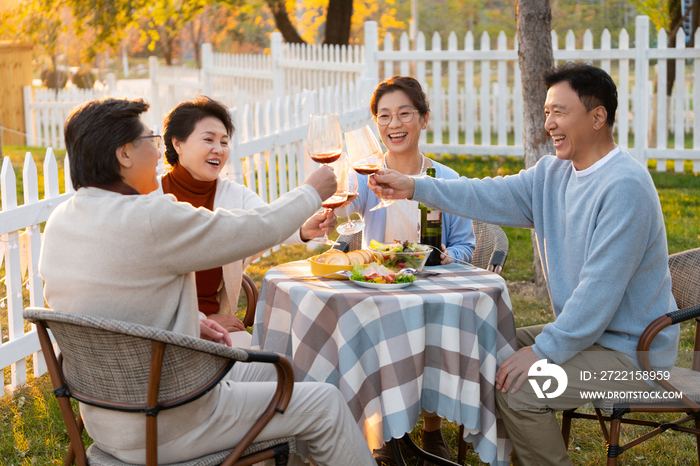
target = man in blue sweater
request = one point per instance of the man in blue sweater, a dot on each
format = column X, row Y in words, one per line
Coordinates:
column 602, row 241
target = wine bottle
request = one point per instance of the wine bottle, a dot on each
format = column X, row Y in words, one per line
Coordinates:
column 431, row 228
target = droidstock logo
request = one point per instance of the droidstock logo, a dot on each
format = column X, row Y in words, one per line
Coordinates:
column 543, row 369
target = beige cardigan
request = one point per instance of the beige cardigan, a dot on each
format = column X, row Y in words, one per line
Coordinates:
column 231, row 195
column 133, row 258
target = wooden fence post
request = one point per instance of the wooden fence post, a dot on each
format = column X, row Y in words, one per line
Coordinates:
column 29, row 116
column 641, row 76
column 13, row 273
column 33, row 241
column 696, row 99
column 279, row 87
column 112, row 85
column 370, row 76
column 155, row 92
column 206, row 71
column 679, row 134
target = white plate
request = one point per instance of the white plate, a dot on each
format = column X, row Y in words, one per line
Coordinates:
column 382, row 286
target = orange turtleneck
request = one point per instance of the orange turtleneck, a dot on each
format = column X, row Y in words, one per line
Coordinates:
column 180, row 183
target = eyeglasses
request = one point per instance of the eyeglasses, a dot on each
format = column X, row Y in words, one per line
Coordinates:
column 157, row 138
column 405, row 116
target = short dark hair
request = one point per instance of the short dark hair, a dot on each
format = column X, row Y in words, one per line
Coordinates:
column 93, row 133
column 593, row 85
column 182, row 119
column 406, row 84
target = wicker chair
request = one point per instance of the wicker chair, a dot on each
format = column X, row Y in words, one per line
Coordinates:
column 491, row 249
column 490, row 252
column 133, row 368
column 685, row 276
column 251, row 293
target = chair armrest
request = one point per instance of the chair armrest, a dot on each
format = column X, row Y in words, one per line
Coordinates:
column 279, row 402
column 650, row 333
column 251, row 293
column 498, row 260
column 682, row 315
column 657, row 326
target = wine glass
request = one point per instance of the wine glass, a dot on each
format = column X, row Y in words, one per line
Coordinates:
column 350, row 226
column 338, row 199
column 366, row 156
column 324, row 139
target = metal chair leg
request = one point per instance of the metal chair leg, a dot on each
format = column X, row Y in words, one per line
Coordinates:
column 398, row 457
column 566, row 426
column 461, row 447
column 614, row 449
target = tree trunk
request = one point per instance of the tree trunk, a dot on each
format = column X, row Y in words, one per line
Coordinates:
column 338, row 20
column 196, row 40
column 56, row 77
column 534, row 18
column 676, row 22
column 285, row 26
column 166, row 43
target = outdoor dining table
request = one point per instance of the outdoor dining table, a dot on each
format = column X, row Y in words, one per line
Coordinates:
column 433, row 345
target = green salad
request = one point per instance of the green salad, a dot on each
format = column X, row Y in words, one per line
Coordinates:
column 375, row 273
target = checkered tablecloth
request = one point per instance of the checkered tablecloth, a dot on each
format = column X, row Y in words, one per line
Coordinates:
column 431, row 345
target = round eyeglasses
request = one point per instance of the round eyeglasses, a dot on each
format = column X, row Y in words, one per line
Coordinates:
column 405, row 116
column 157, row 139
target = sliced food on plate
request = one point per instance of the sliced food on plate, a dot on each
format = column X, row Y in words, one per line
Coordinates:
column 375, row 273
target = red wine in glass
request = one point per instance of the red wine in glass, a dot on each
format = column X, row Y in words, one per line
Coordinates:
column 326, row 157
column 366, row 169
column 335, row 201
column 351, row 197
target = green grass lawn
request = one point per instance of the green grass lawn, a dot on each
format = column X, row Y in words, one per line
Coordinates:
column 32, row 433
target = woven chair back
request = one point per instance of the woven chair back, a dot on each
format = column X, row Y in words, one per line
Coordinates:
column 685, row 277
column 489, row 238
column 113, row 365
column 354, row 240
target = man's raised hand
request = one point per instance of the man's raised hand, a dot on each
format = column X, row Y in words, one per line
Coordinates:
column 390, row 184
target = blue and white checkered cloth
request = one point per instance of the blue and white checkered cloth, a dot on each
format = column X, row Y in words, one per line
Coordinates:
column 433, row 345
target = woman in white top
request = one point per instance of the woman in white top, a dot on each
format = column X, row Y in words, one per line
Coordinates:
column 401, row 111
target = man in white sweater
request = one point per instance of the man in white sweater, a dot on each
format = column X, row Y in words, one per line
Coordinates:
column 110, row 252
column 602, row 241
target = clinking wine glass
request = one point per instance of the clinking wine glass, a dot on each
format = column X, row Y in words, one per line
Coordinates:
column 338, row 199
column 350, row 226
column 366, row 155
column 324, row 139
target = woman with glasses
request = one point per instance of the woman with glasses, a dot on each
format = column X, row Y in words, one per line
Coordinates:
column 401, row 111
column 196, row 137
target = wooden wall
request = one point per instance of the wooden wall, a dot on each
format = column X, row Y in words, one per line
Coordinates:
column 15, row 73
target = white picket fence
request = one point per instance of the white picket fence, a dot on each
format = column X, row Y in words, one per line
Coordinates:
column 476, row 104
column 20, row 238
column 46, row 110
column 267, row 154
column 240, row 79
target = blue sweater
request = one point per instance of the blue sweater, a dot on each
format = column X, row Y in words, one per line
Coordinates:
column 602, row 242
column 457, row 232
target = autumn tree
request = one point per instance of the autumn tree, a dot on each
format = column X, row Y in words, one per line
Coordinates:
column 40, row 22
column 338, row 22
column 535, row 55
column 165, row 19
column 161, row 21
column 669, row 15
